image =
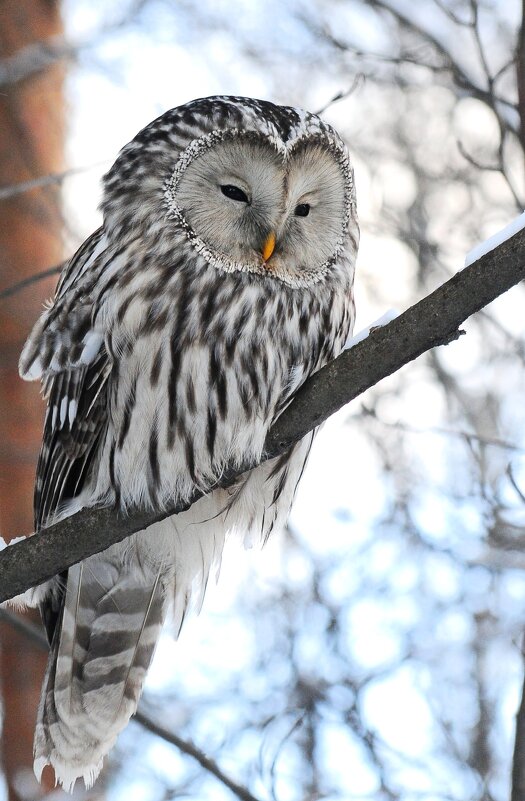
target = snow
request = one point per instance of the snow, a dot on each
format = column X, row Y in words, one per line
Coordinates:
column 496, row 239
column 4, row 544
column 385, row 318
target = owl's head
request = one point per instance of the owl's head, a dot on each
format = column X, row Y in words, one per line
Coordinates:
column 255, row 187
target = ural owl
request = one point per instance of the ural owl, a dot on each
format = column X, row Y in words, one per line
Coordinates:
column 220, row 279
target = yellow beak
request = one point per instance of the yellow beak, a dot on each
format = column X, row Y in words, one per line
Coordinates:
column 269, row 246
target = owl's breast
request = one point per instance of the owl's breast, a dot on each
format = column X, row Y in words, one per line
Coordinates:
column 199, row 376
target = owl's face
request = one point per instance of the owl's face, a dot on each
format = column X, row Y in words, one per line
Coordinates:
column 255, row 187
column 263, row 209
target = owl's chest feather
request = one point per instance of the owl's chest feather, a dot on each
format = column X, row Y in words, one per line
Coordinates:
column 199, row 378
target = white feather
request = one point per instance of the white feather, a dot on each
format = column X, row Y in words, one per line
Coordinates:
column 92, row 342
column 72, row 411
column 35, row 371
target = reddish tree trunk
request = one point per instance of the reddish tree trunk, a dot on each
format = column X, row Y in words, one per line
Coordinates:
column 31, row 146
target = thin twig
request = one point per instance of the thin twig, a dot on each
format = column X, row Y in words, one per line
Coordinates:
column 467, row 436
column 34, row 58
column 474, row 162
column 464, row 23
column 479, row 46
column 37, row 637
column 39, row 56
column 520, row 76
column 518, row 760
column 33, row 279
column 52, row 178
column 25, row 627
column 189, row 748
column 461, row 77
column 514, row 483
column 273, row 768
column 358, row 79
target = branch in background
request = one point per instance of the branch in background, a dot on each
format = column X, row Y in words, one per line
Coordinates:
column 33, row 279
column 461, row 77
column 34, row 58
column 466, row 436
column 513, row 481
column 518, row 760
column 343, row 94
column 520, row 76
column 53, row 178
column 496, row 167
column 435, row 320
column 455, row 18
column 36, row 635
column 39, row 56
column 191, row 750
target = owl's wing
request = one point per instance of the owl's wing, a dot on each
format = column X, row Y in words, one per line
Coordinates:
column 66, row 351
column 74, row 422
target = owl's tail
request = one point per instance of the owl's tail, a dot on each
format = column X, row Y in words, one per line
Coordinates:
column 101, row 650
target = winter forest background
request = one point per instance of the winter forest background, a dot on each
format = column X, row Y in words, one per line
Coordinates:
column 373, row 650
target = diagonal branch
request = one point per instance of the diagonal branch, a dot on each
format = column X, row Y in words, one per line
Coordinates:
column 187, row 747
column 435, row 320
column 33, row 279
column 34, row 58
column 51, row 179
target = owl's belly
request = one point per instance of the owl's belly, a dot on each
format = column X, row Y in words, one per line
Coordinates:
column 167, row 439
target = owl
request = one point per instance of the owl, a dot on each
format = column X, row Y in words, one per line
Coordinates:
column 220, row 279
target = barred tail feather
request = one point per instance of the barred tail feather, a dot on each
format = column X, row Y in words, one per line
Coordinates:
column 101, row 651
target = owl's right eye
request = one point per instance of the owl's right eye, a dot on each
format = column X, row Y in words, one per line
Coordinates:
column 234, row 193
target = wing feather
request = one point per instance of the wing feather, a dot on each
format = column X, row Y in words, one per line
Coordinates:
column 71, row 439
column 66, row 350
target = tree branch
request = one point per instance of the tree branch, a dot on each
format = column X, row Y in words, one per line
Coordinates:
column 435, row 320
column 39, row 56
column 51, row 179
column 36, row 635
column 33, row 279
column 462, row 78
column 187, row 747
column 34, row 58
column 518, row 760
column 520, row 75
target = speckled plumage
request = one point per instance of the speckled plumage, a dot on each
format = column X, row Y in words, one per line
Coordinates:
column 170, row 348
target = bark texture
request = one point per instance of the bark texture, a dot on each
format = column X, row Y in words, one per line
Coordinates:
column 31, row 146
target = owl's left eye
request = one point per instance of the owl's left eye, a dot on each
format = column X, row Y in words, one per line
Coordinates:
column 234, row 193
column 302, row 210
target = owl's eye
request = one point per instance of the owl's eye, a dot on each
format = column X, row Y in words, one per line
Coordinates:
column 234, row 193
column 302, row 210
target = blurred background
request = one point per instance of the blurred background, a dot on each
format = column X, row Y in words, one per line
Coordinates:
column 373, row 650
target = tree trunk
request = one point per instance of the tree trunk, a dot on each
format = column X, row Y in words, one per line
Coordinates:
column 31, row 146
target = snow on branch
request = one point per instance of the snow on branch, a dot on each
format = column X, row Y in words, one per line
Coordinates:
column 435, row 320
column 517, row 224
